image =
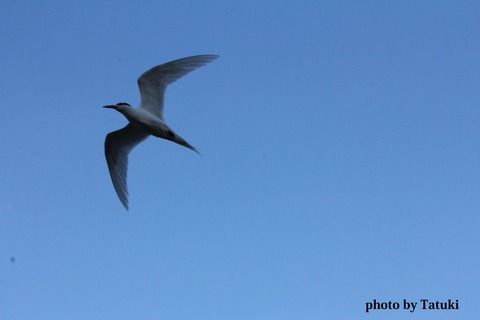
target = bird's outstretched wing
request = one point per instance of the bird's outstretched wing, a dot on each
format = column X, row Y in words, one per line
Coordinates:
column 117, row 146
column 152, row 83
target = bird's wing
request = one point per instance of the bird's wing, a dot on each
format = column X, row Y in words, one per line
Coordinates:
column 152, row 83
column 117, row 146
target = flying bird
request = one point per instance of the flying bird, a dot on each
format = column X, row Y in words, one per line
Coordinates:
column 147, row 119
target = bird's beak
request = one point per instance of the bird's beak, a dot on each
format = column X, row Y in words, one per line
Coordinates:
column 110, row 107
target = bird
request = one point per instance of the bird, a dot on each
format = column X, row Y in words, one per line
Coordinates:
column 146, row 120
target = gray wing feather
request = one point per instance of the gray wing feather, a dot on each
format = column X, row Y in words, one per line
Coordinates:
column 118, row 144
column 152, row 83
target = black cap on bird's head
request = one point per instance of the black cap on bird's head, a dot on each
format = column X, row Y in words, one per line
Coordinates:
column 114, row 106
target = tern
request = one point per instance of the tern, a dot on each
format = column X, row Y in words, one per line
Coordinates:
column 147, row 119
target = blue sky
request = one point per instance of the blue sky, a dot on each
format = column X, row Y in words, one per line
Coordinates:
column 340, row 160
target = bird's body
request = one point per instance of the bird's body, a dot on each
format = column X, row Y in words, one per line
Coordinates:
column 147, row 119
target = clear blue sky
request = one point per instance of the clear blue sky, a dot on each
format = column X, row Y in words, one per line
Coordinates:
column 340, row 160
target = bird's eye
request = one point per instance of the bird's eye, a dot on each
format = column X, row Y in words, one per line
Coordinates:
column 170, row 133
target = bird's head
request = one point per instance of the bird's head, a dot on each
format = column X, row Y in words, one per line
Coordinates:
column 119, row 106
